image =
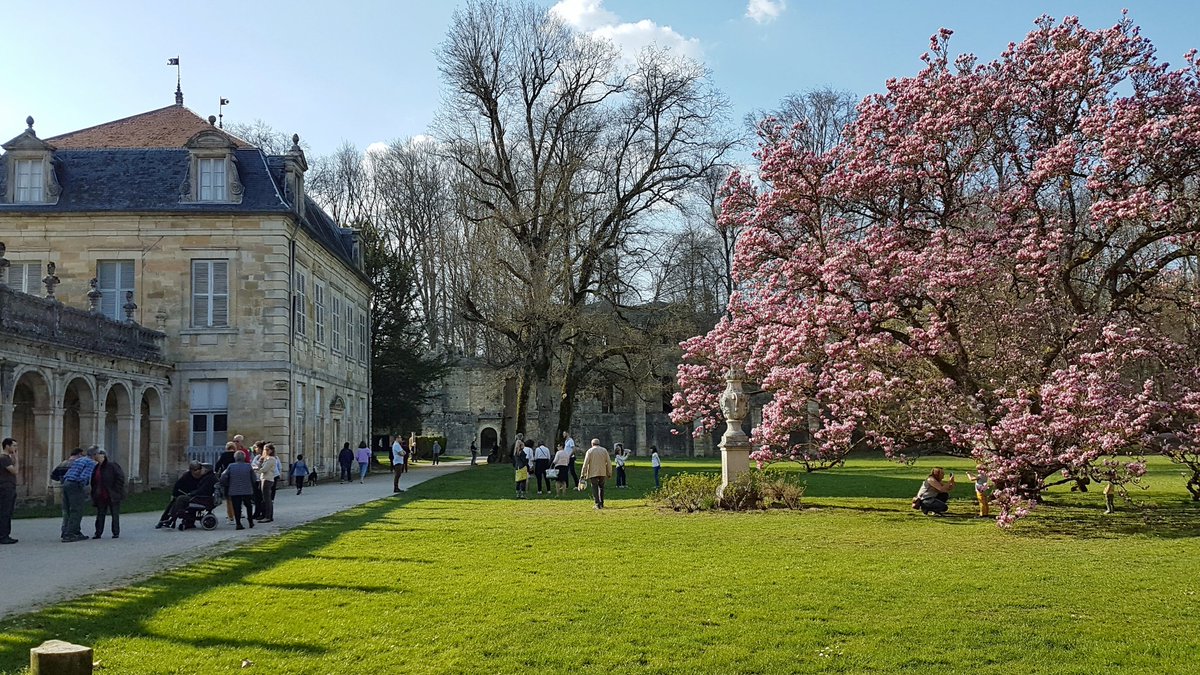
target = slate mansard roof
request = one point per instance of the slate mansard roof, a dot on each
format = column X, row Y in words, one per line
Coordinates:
column 138, row 165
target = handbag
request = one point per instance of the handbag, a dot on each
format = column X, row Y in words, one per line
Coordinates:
column 522, row 474
column 551, row 473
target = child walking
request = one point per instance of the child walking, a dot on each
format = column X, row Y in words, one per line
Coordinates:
column 299, row 473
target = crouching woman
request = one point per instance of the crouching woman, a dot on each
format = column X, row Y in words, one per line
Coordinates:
column 934, row 493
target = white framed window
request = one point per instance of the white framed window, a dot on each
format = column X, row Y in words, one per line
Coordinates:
column 210, row 293
column 26, row 276
column 300, row 302
column 209, row 408
column 115, row 280
column 213, row 183
column 30, row 181
column 362, row 337
column 319, row 312
column 336, row 322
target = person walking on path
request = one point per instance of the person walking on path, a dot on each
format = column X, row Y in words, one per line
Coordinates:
column 562, row 460
column 299, row 472
column 363, row 455
column 266, row 476
column 474, row 453
column 345, row 459
column 8, row 489
column 75, row 485
column 619, row 450
column 597, row 469
column 437, row 453
column 399, row 457
column 108, row 491
column 656, row 464
column 238, row 482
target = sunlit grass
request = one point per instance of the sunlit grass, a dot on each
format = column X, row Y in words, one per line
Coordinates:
column 455, row 576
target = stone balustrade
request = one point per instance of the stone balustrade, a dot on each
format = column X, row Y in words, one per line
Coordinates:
column 49, row 321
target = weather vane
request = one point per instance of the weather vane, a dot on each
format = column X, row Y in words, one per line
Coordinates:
column 221, row 112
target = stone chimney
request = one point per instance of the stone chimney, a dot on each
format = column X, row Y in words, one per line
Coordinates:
column 294, row 166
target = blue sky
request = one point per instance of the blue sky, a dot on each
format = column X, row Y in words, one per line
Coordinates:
column 365, row 71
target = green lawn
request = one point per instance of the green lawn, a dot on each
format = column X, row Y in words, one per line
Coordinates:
column 455, row 576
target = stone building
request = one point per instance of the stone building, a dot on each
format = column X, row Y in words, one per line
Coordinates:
column 476, row 402
column 256, row 297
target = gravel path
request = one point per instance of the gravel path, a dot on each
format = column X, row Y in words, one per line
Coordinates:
column 41, row 570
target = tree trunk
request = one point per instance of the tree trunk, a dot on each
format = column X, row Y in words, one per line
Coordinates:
column 566, row 401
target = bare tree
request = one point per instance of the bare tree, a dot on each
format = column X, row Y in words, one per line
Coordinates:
column 815, row 118
column 569, row 156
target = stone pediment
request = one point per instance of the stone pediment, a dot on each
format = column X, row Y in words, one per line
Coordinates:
column 210, row 139
column 28, row 140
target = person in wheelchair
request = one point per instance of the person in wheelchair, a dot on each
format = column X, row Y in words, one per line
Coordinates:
column 195, row 486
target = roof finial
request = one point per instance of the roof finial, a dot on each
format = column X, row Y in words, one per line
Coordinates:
column 174, row 61
column 29, row 121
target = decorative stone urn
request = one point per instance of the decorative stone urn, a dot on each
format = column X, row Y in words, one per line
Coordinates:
column 735, row 445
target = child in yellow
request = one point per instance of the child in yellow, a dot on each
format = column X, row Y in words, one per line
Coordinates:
column 981, row 490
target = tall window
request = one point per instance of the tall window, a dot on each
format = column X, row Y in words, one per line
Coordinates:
column 29, row 185
column 319, row 312
column 336, row 320
column 319, row 409
column 212, row 179
column 349, row 331
column 116, row 278
column 362, row 337
column 210, row 412
column 26, row 277
column 300, row 404
column 210, row 293
column 300, row 302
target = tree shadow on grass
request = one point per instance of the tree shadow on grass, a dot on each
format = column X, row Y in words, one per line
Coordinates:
column 1158, row 521
column 106, row 615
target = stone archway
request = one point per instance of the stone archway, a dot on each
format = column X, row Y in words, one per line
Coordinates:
column 31, row 425
column 488, row 439
column 118, row 425
column 79, row 417
column 151, row 464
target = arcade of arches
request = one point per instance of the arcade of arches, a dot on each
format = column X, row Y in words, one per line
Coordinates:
column 52, row 405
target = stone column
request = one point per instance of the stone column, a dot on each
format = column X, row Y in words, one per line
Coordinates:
column 6, row 418
column 735, row 445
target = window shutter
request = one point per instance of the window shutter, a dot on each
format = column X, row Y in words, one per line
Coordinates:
column 106, row 275
column 220, row 293
column 200, row 293
column 33, row 277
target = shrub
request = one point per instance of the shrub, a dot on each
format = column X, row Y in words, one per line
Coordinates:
column 688, row 492
column 752, row 490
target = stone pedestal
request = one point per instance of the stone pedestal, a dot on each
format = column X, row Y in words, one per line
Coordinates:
column 55, row 657
column 735, row 445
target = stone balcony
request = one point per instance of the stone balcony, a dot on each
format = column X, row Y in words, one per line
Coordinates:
column 50, row 321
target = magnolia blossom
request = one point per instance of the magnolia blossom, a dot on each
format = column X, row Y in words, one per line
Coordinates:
column 998, row 261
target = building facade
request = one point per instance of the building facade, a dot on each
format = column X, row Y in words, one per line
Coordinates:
column 163, row 221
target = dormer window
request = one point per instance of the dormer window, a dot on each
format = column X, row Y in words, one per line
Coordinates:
column 212, row 171
column 29, row 164
column 30, row 175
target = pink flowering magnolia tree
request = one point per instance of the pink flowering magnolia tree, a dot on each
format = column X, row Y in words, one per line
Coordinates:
column 998, row 261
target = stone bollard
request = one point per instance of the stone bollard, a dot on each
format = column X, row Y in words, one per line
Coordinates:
column 55, row 657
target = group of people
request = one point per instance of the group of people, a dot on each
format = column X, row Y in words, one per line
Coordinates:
column 248, row 477
column 530, row 458
column 933, row 498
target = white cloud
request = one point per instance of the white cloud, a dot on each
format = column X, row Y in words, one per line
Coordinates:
column 378, row 147
column 590, row 16
column 765, row 11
